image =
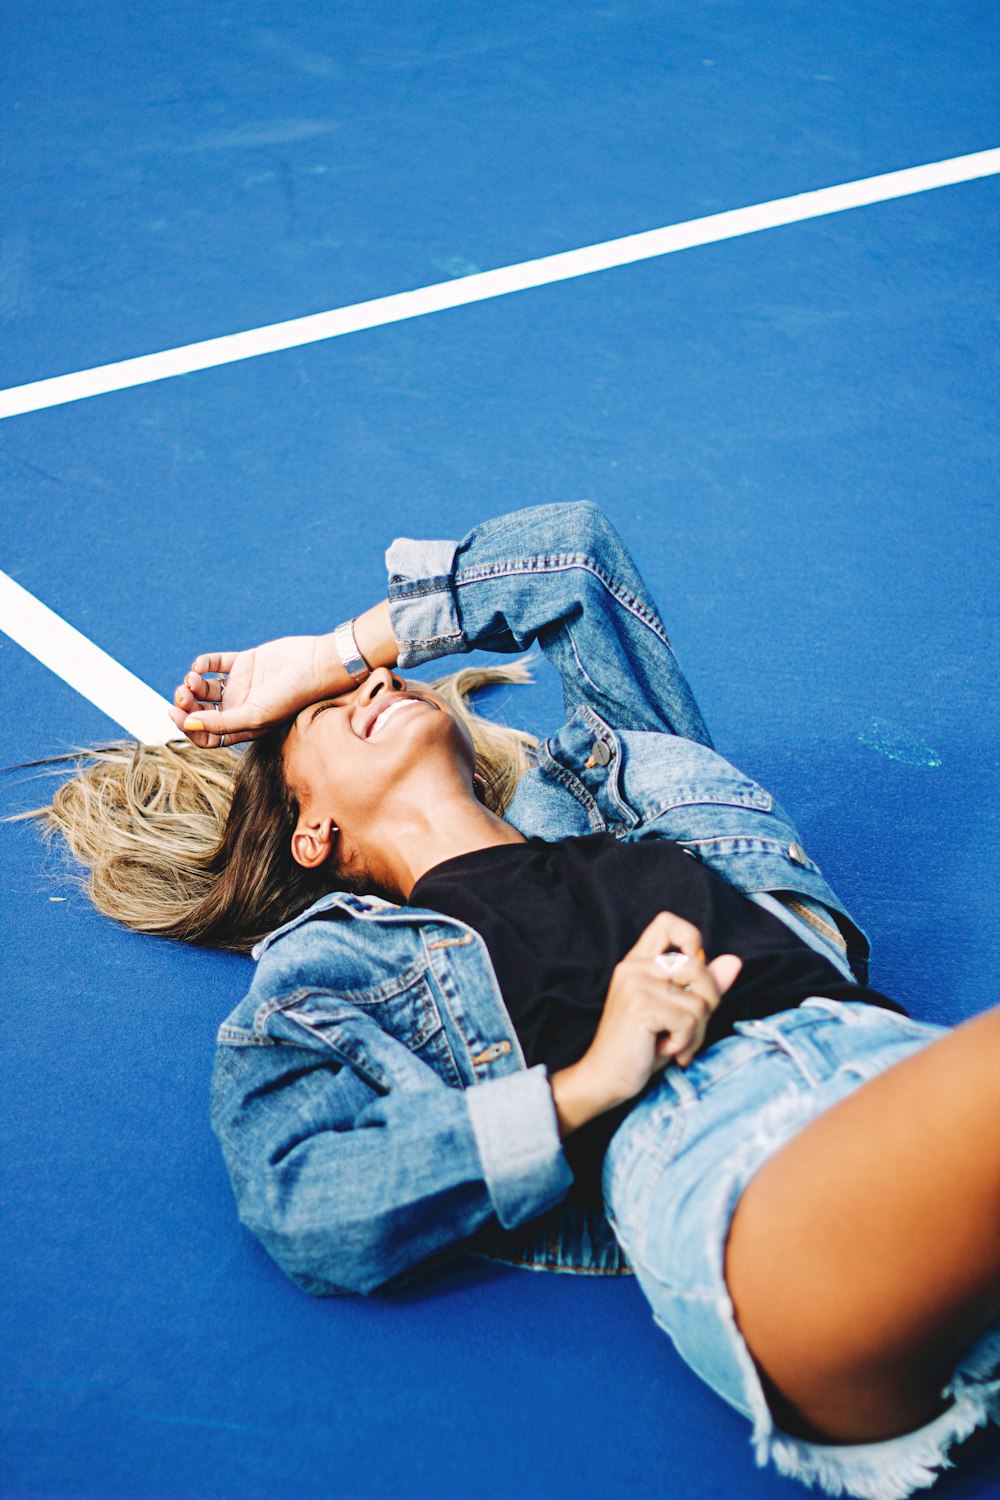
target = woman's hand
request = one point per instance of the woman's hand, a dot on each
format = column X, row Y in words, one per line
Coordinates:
column 251, row 691
column 261, row 687
column 658, row 1008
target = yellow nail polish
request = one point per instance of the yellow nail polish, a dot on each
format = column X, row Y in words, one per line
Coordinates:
column 194, row 723
column 179, row 697
column 700, row 955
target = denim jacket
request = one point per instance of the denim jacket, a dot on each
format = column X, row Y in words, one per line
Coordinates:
column 372, row 1101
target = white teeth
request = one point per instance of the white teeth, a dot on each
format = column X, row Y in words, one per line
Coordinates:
column 387, row 713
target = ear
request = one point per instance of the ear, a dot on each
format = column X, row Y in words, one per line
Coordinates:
column 479, row 787
column 313, row 841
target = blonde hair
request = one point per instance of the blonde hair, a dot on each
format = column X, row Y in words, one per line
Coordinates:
column 195, row 844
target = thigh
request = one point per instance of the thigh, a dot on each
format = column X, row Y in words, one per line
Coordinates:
column 864, row 1255
column 678, row 1166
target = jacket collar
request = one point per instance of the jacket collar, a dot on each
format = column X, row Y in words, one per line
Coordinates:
column 345, row 901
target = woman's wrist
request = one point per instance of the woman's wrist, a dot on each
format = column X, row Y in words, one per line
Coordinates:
column 577, row 1098
column 375, row 641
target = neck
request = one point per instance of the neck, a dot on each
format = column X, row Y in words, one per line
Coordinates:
column 452, row 826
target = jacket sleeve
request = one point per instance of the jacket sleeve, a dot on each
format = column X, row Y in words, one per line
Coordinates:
column 349, row 1185
column 559, row 575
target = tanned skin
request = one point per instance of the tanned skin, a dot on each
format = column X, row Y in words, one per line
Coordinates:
column 864, row 1257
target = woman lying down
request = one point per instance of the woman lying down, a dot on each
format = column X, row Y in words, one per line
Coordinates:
column 586, row 1004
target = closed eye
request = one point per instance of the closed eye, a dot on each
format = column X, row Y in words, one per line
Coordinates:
column 321, row 708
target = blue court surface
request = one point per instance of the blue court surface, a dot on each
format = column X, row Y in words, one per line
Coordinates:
column 794, row 430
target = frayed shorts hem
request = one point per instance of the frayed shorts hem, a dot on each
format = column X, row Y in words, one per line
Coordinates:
column 674, row 1174
column 895, row 1467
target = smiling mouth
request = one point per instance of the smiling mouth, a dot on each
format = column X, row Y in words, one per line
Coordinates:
column 394, row 708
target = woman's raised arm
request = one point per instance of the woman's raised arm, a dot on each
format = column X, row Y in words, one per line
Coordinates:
column 558, row 575
column 270, row 683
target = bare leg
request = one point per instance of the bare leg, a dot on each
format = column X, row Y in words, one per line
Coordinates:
column 864, row 1257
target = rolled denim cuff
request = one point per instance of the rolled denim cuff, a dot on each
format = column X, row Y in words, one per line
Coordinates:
column 514, row 1123
column 421, row 600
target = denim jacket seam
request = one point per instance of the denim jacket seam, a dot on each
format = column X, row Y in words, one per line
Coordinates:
column 562, row 562
column 441, row 1000
column 751, row 842
column 389, row 989
column 432, row 640
column 348, row 1055
column 419, row 588
column 268, row 1008
column 548, row 763
column 229, row 1035
column 567, row 630
column 630, row 819
column 473, row 1051
column 764, row 803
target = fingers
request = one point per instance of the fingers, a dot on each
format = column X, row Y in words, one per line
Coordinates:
column 198, row 708
column 194, row 695
column 699, row 989
column 210, row 736
column 208, row 724
column 682, row 1018
column 725, row 970
column 199, row 713
column 667, row 930
column 214, row 661
column 204, row 689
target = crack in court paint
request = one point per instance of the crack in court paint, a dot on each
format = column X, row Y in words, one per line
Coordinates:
column 897, row 743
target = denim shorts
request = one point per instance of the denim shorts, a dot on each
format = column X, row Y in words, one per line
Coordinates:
column 673, row 1174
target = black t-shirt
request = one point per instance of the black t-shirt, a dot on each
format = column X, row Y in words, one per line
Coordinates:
column 557, row 918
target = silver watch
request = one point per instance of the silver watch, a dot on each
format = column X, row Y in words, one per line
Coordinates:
column 351, row 659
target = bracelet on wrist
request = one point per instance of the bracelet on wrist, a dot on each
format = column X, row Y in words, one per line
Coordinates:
column 351, row 659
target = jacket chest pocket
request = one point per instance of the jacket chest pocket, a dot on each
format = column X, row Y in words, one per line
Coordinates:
column 361, row 1026
column 737, row 793
column 664, row 777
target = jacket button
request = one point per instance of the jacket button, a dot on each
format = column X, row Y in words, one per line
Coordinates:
column 491, row 1053
column 797, row 853
column 599, row 754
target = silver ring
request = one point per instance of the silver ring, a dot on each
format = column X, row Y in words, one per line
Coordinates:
column 670, row 963
column 217, row 707
column 222, row 740
column 222, row 690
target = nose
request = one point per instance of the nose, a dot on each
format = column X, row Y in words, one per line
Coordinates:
column 381, row 679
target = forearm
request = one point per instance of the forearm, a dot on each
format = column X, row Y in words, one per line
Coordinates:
column 558, row 576
column 577, row 1099
column 374, row 635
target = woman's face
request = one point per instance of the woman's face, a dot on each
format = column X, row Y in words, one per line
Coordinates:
column 371, row 756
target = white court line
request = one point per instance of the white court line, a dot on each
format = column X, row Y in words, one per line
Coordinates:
column 127, row 700
column 498, row 283
column 91, row 671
